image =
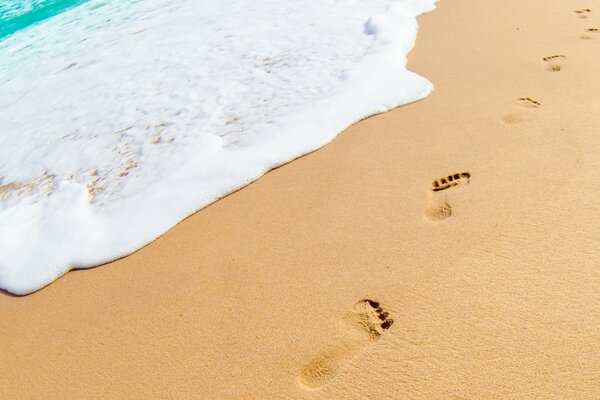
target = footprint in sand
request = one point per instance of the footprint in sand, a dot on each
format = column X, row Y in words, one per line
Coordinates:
column 438, row 207
column 589, row 33
column 554, row 63
column 582, row 12
column 525, row 106
column 364, row 324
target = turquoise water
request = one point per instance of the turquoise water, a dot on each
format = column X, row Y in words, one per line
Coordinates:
column 19, row 14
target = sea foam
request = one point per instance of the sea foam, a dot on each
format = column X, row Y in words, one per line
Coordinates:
column 120, row 118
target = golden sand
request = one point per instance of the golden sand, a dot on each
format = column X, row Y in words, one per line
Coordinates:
column 282, row 290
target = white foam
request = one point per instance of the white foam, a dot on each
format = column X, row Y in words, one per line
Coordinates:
column 119, row 119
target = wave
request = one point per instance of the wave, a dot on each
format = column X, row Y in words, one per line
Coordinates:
column 122, row 118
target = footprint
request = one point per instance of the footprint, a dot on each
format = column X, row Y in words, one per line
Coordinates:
column 590, row 32
column 553, row 62
column 525, row 104
column 438, row 207
column 582, row 12
column 364, row 324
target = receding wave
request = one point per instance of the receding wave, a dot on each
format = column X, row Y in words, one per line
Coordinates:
column 121, row 118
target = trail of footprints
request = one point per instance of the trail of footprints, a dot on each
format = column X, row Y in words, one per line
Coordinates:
column 525, row 105
column 367, row 321
column 364, row 324
column 584, row 13
column 552, row 63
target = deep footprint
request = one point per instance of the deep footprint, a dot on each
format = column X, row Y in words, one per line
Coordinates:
column 363, row 325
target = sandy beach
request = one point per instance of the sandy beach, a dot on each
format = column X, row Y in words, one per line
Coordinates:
column 447, row 249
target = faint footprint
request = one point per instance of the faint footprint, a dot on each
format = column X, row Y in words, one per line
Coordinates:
column 363, row 325
column 525, row 104
column 590, row 32
column 582, row 12
column 438, row 207
column 554, row 62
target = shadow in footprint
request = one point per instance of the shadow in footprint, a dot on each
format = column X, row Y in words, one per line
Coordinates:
column 438, row 207
column 364, row 324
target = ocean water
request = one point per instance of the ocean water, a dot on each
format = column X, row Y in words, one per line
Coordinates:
column 19, row 14
column 120, row 118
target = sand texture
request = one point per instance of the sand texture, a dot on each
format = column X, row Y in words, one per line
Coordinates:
column 445, row 250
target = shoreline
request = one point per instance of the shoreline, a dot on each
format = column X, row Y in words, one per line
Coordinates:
column 178, row 150
column 254, row 295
